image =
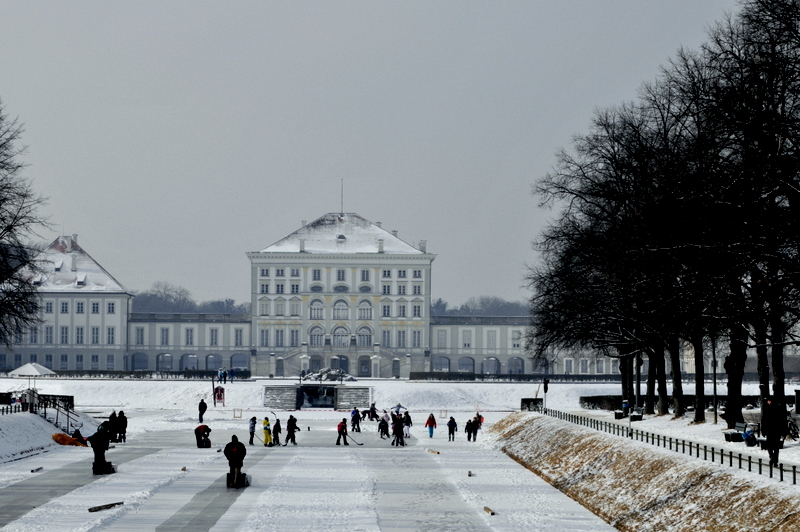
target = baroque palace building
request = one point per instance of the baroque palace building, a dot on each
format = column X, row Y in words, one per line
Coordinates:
column 340, row 292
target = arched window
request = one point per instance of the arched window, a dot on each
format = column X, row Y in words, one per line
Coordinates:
column 316, row 337
column 164, row 362
column 139, row 362
column 188, row 361
column 466, row 364
column 240, row 361
column 490, row 366
column 516, row 366
column 341, row 337
column 316, row 311
column 441, row 364
column 364, row 337
column 340, row 310
column 365, row 310
column 213, row 362
column 315, row 363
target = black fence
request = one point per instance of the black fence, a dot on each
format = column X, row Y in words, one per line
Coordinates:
column 705, row 452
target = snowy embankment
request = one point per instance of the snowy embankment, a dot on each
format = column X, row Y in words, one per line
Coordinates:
column 636, row 487
column 23, row 435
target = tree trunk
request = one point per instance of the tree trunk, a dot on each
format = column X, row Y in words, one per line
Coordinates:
column 623, row 370
column 661, row 376
column 778, row 330
column 762, row 356
column 734, row 368
column 674, row 350
column 650, row 397
column 699, row 380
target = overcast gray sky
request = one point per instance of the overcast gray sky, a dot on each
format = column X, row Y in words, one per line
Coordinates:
column 173, row 137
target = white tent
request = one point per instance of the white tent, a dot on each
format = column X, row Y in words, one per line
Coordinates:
column 31, row 369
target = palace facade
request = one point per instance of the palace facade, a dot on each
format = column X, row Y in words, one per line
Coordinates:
column 340, row 292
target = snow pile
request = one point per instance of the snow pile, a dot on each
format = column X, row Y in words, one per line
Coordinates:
column 637, row 487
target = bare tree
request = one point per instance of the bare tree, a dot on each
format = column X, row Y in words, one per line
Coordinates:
column 20, row 272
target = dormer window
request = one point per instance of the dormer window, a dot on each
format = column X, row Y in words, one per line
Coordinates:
column 58, row 264
column 341, row 239
column 81, row 280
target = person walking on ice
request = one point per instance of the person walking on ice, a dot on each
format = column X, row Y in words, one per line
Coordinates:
column 342, row 430
column 267, row 433
column 431, row 424
column 202, row 409
column 452, row 427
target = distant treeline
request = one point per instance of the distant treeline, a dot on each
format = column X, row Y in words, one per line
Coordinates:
column 481, row 306
column 166, row 297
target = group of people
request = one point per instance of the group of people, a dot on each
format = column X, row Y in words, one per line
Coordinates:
column 117, row 426
column 471, row 427
column 224, row 374
column 395, row 424
column 272, row 434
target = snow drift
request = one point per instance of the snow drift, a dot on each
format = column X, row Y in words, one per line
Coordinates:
column 638, row 488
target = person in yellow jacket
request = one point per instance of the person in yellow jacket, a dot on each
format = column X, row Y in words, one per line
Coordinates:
column 267, row 433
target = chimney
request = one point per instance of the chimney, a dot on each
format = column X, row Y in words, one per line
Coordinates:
column 68, row 242
column 379, row 224
column 302, row 245
column 423, row 245
column 394, row 233
column 303, row 223
column 75, row 238
column 74, row 266
column 380, row 245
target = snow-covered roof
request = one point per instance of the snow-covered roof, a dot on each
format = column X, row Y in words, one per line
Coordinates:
column 67, row 267
column 342, row 233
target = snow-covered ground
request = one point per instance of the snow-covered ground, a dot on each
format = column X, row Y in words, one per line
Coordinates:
column 313, row 486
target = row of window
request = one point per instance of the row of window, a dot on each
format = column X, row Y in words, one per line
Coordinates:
column 189, row 336
column 79, row 338
column 386, row 289
column 111, row 307
column 81, row 362
column 490, row 339
column 601, row 366
column 488, row 366
column 340, row 310
column 340, row 337
column 316, row 274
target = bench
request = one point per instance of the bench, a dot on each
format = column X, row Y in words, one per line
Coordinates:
column 737, row 435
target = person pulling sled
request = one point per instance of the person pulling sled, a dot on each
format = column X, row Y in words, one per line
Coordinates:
column 99, row 442
column 235, row 452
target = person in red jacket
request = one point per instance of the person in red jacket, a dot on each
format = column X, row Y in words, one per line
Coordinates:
column 342, row 430
column 431, row 424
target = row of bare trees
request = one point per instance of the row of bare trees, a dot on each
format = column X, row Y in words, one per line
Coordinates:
column 679, row 215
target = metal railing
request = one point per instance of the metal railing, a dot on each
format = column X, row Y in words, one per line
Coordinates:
column 696, row 450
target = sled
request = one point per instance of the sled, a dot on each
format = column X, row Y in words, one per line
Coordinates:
column 244, row 481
